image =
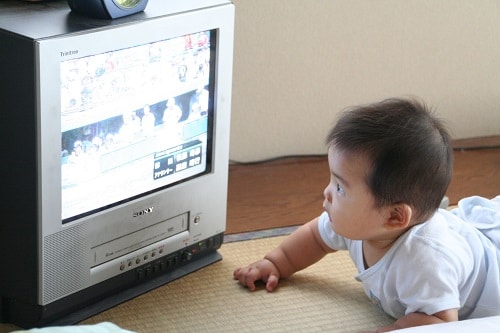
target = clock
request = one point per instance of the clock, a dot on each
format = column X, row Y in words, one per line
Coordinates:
column 107, row 9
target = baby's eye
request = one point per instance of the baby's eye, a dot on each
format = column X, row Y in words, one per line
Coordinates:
column 340, row 190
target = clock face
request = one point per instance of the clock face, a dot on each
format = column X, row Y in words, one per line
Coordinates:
column 127, row 3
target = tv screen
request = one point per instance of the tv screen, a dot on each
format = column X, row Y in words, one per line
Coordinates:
column 134, row 121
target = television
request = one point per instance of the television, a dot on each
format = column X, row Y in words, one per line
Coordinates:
column 115, row 149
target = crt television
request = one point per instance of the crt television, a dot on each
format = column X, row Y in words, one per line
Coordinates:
column 115, row 144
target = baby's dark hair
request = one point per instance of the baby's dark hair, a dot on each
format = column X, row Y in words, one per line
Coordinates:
column 409, row 149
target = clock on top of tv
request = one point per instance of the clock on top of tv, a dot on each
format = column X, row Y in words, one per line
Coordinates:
column 107, row 9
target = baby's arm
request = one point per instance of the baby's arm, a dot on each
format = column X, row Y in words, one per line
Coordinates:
column 419, row 319
column 301, row 249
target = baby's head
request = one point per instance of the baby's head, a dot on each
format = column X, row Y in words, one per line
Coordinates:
column 408, row 147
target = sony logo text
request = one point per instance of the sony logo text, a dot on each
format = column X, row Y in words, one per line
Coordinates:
column 143, row 212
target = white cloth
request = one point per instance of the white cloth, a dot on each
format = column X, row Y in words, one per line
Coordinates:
column 441, row 264
column 105, row 327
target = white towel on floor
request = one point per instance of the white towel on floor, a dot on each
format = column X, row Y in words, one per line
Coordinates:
column 104, row 327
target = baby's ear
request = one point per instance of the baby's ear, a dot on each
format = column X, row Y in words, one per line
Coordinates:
column 400, row 216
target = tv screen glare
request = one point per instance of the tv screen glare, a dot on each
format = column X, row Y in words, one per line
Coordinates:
column 115, row 178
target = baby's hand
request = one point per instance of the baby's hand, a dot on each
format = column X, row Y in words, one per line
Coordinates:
column 262, row 270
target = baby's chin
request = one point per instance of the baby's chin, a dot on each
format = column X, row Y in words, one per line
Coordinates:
column 342, row 234
column 334, row 228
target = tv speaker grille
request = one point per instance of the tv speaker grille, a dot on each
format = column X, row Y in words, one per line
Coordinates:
column 65, row 263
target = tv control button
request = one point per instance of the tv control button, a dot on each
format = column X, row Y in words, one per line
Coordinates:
column 210, row 243
column 187, row 256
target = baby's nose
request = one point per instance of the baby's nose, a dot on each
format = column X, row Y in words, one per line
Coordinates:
column 327, row 194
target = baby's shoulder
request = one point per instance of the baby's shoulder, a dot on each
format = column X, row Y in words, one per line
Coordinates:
column 442, row 237
column 432, row 234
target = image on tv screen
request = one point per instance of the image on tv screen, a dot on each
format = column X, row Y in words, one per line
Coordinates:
column 134, row 120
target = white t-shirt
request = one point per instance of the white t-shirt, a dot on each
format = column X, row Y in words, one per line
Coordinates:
column 441, row 264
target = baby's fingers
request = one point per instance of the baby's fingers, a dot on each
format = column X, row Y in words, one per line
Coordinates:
column 247, row 276
column 272, row 282
column 236, row 272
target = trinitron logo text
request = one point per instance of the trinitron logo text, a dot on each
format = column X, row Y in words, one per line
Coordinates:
column 68, row 53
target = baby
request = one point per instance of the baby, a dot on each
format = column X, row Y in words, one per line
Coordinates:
column 390, row 166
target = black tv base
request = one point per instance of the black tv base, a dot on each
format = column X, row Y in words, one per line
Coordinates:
column 138, row 290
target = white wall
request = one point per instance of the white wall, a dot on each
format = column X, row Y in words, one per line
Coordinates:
column 298, row 63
